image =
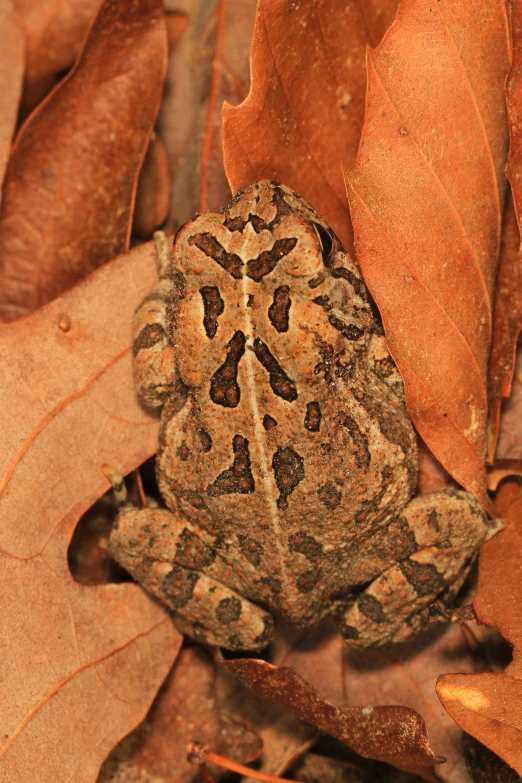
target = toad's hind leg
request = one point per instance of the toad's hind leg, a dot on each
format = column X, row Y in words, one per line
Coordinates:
column 433, row 543
column 173, row 563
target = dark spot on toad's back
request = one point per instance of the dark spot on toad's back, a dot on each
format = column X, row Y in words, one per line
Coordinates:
column 350, row 331
column 288, row 467
column 209, row 245
column 348, row 631
column 269, row 422
column 402, row 542
column 224, row 388
column 395, row 428
column 312, row 420
column 183, row 451
column 279, row 310
column 252, row 549
column 236, row 223
column 356, row 282
column 267, row 261
column 280, row 383
column 238, row 478
column 213, row 307
column 205, row 440
column 305, row 544
column 189, row 495
column 308, row 580
column 316, row 281
column 323, row 301
column 329, row 495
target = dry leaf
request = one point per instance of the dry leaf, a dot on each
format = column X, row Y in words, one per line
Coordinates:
column 507, row 320
column 426, row 197
column 400, row 674
column 71, row 178
column 152, row 196
column 53, row 32
column 184, row 711
column 396, row 735
column 11, row 74
column 209, row 65
column 79, row 665
column 507, row 317
column 302, row 118
column 509, row 446
column 487, row 705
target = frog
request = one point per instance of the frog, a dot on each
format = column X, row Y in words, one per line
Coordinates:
column 286, row 459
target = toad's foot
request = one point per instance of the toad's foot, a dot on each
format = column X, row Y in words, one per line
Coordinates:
column 169, row 560
column 441, row 533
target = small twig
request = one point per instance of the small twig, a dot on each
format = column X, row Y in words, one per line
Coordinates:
column 198, row 754
column 141, row 491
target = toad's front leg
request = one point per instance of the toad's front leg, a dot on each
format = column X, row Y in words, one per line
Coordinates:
column 172, row 562
column 155, row 375
column 431, row 545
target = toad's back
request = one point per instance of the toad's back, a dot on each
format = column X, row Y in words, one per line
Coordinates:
column 291, row 445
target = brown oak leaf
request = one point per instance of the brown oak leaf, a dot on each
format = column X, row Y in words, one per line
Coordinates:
column 426, row 198
column 71, row 177
column 79, row 665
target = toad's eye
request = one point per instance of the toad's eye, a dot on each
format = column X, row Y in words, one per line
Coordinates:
column 325, row 241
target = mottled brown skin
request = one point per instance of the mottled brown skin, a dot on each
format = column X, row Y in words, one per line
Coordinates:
column 286, row 458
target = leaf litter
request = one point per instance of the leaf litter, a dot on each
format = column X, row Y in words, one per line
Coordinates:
column 219, row 68
column 75, row 157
